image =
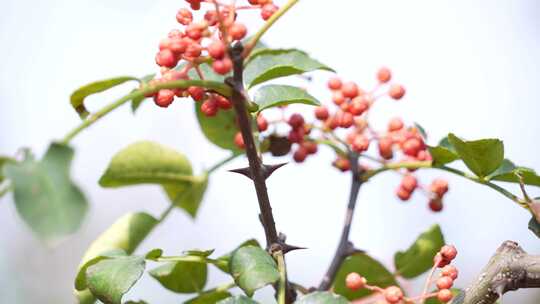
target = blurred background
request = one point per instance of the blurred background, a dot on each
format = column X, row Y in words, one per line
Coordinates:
column 470, row 67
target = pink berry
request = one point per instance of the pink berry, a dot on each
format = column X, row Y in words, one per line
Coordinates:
column 237, row 31
column 164, row 98
column 448, row 252
column 354, row 281
column 321, row 113
column 450, row 271
column 444, row 295
column 409, row 183
column 384, row 75
column 395, row 124
column 393, row 294
column 223, row 66
column 334, row 83
column 268, row 10
column 350, row 90
column 445, row 283
column 184, row 16
column 216, row 50
column 209, row 107
column 403, row 194
column 239, row 141
column 296, row 121
column 166, row 58
column 396, row 91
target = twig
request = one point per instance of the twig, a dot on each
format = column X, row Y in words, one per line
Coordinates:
column 345, row 247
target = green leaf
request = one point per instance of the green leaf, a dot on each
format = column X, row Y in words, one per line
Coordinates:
column 80, row 279
column 321, row 297
column 482, row 156
column 506, row 166
column 534, row 226
column 529, row 176
column 209, row 297
column 419, row 256
column 220, row 129
column 110, row 279
column 136, row 102
column 45, row 197
column 153, row 254
column 200, row 253
column 269, row 64
column 434, row 300
column 181, row 277
column 188, row 196
column 226, row 258
column 253, row 268
column 146, row 162
column 422, row 131
column 237, row 300
column 4, row 160
column 122, row 236
column 279, row 95
column 375, row 273
column 444, row 153
column 77, row 98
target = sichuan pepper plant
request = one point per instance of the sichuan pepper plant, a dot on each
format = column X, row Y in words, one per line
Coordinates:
column 215, row 62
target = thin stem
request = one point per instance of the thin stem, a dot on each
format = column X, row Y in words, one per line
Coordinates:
column 427, row 164
column 253, row 42
column 428, row 282
column 166, row 213
column 177, row 84
column 344, row 247
column 282, row 288
column 222, row 162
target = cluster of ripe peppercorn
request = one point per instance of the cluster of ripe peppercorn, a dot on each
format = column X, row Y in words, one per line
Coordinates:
column 394, row 294
column 199, row 42
column 345, row 124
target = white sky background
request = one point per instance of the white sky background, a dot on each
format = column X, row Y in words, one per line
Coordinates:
column 470, row 67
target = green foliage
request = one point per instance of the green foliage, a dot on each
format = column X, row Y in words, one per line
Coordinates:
column 226, row 258
column 534, row 226
column 181, row 277
column 153, row 254
column 375, row 273
column 77, row 98
column 4, row 160
column 482, row 156
column 322, row 298
column 124, row 235
column 443, row 154
column 253, row 268
column 279, row 95
column 147, row 162
column 80, row 279
column 529, row 176
column 220, row 129
column 45, row 196
column 268, row 64
column 237, row 300
column 209, row 297
column 111, row 278
column 418, row 258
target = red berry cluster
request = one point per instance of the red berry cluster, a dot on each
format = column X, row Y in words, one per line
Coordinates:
column 435, row 191
column 394, row 294
column 206, row 40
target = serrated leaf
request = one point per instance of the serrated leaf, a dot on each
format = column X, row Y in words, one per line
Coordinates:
column 154, row 254
column 322, row 297
column 279, row 95
column 219, row 129
column 268, row 64
column 188, row 196
column 253, row 268
column 375, row 273
column 482, row 156
column 136, row 102
column 147, row 162
column 77, row 98
column 181, row 277
column 209, row 297
column 529, row 176
column 226, row 258
column 45, row 196
column 418, row 258
column 110, row 279
column 240, row 299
